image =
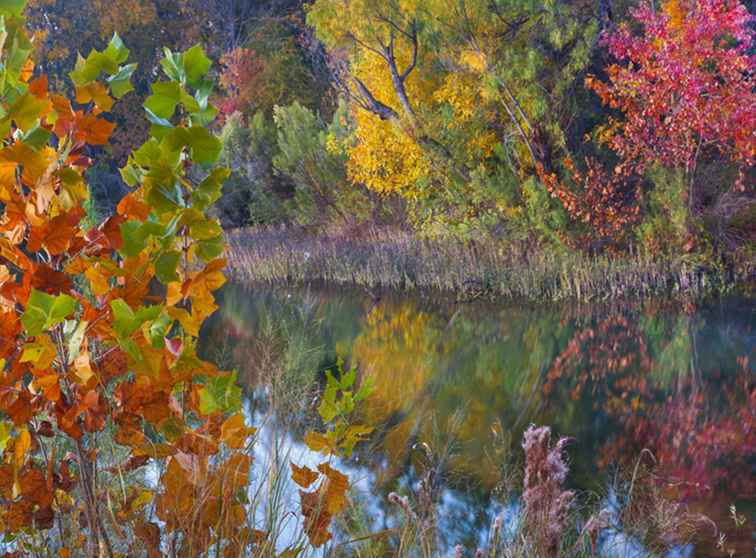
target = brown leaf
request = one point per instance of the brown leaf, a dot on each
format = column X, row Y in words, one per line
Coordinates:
column 303, row 476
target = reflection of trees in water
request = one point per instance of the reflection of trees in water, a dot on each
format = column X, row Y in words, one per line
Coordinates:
column 644, row 374
column 466, row 380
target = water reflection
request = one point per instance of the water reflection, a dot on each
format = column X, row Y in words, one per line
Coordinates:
column 456, row 385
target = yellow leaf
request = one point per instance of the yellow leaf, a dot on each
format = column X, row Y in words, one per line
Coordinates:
column 96, row 92
column 41, row 353
column 83, row 367
column 317, row 442
column 188, row 321
column 21, row 448
column 97, row 280
column 144, row 498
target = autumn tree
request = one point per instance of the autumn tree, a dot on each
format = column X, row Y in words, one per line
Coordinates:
column 683, row 82
column 100, row 325
column 457, row 101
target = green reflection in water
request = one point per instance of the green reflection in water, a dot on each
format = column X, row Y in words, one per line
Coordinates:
column 460, row 382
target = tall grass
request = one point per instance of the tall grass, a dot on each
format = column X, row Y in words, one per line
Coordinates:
column 394, row 259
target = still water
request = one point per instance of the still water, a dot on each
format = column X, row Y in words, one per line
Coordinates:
column 456, row 384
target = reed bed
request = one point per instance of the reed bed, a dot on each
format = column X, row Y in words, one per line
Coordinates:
column 382, row 258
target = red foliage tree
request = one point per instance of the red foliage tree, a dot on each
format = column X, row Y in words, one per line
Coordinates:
column 684, row 83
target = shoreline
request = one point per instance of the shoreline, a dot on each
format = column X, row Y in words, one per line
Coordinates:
column 391, row 259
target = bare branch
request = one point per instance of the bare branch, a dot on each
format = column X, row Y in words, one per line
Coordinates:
column 413, row 64
column 383, row 111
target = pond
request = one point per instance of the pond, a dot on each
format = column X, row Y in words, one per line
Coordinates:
column 666, row 385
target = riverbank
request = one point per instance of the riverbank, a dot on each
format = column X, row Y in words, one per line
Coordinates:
column 381, row 258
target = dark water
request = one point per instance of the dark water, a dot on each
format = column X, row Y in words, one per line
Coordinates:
column 456, row 384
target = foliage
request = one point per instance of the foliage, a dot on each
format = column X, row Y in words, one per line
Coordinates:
column 665, row 227
column 253, row 194
column 269, row 69
column 684, row 85
column 439, row 98
column 321, row 504
column 100, row 324
column 307, row 158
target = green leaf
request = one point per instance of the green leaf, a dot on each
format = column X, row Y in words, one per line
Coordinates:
column 211, row 248
column 12, row 7
column 26, row 111
column 165, row 96
column 347, row 380
column 159, row 329
column 366, row 388
column 125, row 321
column 149, row 154
column 205, row 148
column 196, row 65
column 108, row 61
column 205, row 229
column 165, row 267
column 220, row 395
column 210, row 189
column 37, row 137
column 134, row 239
column 44, row 311
column 120, row 82
column 173, row 65
column 116, row 50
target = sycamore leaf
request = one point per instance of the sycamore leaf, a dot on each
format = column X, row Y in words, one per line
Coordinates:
column 126, row 321
column 211, row 248
column 120, row 82
column 44, row 311
column 234, row 431
column 165, row 96
column 37, row 137
column 165, row 267
column 319, row 443
column 335, row 489
column 94, row 92
column 12, row 7
column 108, row 61
column 5, row 434
column 41, row 353
column 303, row 476
column 21, row 447
column 220, row 394
column 209, row 190
column 196, row 64
column 204, row 147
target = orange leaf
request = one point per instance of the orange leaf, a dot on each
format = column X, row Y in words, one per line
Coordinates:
column 93, row 130
column 303, row 476
column 55, row 236
column 234, row 432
